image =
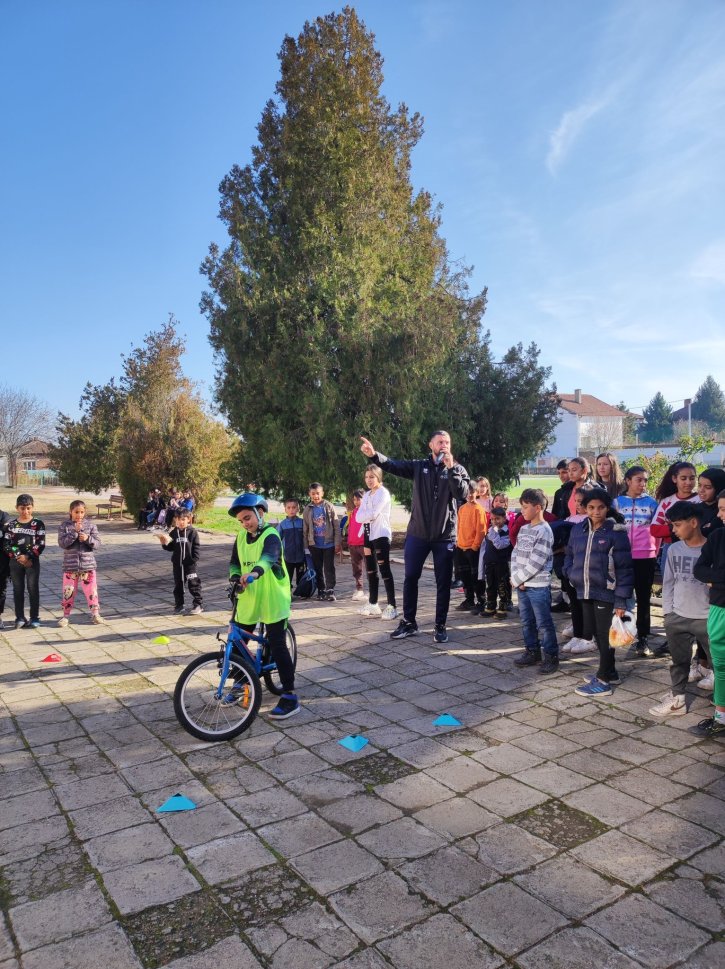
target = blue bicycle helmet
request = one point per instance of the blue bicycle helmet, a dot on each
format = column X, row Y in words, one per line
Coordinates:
column 248, row 500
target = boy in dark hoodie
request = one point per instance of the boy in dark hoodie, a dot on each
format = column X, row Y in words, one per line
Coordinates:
column 598, row 564
column 183, row 543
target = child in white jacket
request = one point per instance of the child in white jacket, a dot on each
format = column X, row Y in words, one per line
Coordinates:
column 374, row 515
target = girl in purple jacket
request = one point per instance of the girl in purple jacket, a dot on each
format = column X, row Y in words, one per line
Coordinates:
column 78, row 539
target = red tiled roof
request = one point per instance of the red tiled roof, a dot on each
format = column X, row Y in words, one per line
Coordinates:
column 589, row 407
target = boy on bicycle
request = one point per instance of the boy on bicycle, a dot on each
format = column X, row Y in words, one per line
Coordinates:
column 257, row 569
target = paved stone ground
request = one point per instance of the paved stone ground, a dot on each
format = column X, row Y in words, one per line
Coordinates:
column 548, row 831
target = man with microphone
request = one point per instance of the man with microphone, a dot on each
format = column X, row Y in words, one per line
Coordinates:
column 439, row 483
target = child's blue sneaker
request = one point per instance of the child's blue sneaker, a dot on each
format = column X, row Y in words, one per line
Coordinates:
column 594, row 688
column 288, row 706
column 614, row 681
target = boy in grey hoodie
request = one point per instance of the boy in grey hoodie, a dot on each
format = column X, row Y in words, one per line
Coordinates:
column 685, row 604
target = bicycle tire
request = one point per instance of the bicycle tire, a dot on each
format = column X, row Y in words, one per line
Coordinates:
column 198, row 710
column 271, row 678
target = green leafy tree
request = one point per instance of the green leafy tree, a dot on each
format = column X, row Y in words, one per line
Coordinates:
column 708, row 405
column 165, row 438
column 502, row 413
column 333, row 305
column 692, row 445
column 658, row 420
column 85, row 454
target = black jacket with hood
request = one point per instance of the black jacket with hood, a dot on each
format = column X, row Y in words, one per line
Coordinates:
column 436, row 493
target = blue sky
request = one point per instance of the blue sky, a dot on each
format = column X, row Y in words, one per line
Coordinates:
column 578, row 150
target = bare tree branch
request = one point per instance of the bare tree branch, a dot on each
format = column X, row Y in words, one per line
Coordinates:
column 23, row 418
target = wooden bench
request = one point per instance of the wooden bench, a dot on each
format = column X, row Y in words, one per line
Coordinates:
column 114, row 503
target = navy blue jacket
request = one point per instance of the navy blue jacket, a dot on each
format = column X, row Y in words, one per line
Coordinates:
column 436, row 493
column 292, row 535
column 599, row 563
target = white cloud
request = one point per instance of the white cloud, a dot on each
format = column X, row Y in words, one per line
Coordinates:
column 568, row 130
column 710, row 263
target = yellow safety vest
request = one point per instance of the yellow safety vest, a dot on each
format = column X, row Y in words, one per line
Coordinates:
column 268, row 598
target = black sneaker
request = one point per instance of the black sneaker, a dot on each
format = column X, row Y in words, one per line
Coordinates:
column 660, row 651
column 330, row 596
column 456, row 584
column 708, row 728
column 440, row 635
column 477, row 609
column 550, row 664
column 321, row 596
column 642, row 648
column 178, row 610
column 288, row 706
column 501, row 614
column 561, row 607
column 465, row 606
column 404, row 629
column 489, row 611
column 529, row 657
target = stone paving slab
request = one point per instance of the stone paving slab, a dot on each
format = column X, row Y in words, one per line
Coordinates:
column 547, row 832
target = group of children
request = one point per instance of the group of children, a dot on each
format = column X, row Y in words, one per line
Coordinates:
column 319, row 534
column 602, row 537
column 160, row 511
column 23, row 542
column 609, row 533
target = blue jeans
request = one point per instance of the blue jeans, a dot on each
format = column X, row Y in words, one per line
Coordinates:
column 536, row 621
column 415, row 553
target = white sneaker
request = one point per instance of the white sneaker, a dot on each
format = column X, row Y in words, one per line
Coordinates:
column 707, row 682
column 583, row 646
column 669, row 706
column 566, row 647
column 390, row 612
column 63, row 622
column 358, row 595
column 370, row 610
column 97, row 619
column 696, row 672
column 567, row 632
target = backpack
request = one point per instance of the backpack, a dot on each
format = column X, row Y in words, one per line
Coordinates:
column 307, row 586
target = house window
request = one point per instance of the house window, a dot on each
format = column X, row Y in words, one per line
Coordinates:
column 28, row 465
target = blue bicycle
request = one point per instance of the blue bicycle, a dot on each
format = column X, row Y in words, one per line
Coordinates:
column 218, row 695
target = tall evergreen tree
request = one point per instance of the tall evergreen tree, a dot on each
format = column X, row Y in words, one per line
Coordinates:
column 333, row 305
column 658, row 417
column 708, row 405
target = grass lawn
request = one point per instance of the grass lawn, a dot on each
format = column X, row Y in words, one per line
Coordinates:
column 217, row 520
column 548, row 483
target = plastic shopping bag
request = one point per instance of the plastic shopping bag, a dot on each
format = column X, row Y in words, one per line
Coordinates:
column 622, row 632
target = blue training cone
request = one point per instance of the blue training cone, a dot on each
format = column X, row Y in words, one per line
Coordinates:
column 446, row 720
column 353, row 743
column 176, row 803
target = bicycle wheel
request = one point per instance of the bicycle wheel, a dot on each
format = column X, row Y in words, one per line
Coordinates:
column 271, row 678
column 202, row 713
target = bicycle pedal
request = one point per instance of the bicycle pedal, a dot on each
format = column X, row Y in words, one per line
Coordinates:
column 237, row 694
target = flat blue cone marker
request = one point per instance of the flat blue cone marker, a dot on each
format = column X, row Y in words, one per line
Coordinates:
column 176, row 803
column 446, row 720
column 353, row 743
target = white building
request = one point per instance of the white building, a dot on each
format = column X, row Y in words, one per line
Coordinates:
column 586, row 424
